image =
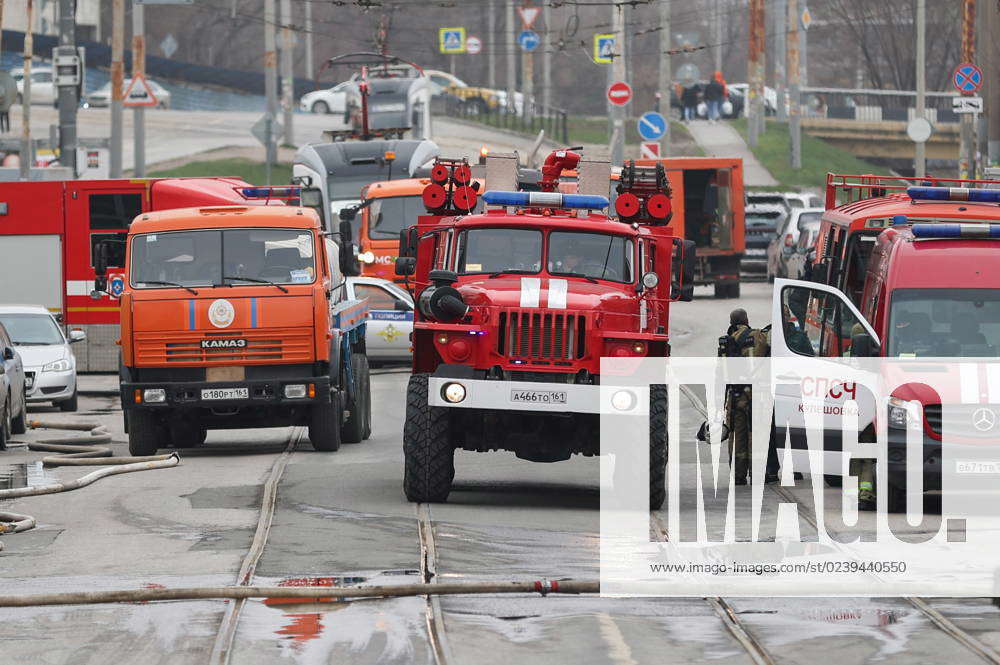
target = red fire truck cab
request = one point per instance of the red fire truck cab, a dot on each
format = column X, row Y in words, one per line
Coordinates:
column 515, row 308
column 925, row 291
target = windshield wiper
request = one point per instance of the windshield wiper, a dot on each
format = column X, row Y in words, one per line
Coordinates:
column 512, row 271
column 256, row 281
column 159, row 283
column 575, row 274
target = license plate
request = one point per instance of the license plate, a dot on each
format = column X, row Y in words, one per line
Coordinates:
column 756, row 252
column 225, row 393
column 29, row 381
column 973, row 467
column 538, row 396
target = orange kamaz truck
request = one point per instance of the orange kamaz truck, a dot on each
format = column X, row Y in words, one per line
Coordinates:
column 233, row 317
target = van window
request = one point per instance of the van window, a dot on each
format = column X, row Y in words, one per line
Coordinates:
column 817, row 323
column 389, row 215
column 947, row 323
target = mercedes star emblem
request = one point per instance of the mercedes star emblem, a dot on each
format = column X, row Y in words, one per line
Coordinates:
column 984, row 419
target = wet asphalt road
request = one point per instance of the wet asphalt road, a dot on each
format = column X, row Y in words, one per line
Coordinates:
column 342, row 517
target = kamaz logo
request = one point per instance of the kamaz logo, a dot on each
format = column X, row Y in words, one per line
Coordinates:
column 223, row 343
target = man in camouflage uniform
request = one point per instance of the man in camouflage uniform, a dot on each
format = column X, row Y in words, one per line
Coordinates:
column 741, row 340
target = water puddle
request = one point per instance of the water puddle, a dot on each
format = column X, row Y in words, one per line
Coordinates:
column 31, row 474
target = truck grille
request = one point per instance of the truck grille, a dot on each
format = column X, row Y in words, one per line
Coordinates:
column 972, row 421
column 534, row 335
column 262, row 346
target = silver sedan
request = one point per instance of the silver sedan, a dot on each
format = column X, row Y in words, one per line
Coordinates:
column 390, row 318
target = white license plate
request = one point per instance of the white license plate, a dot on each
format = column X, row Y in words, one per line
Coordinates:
column 29, row 382
column 225, row 393
column 971, row 467
column 538, row 396
column 756, row 252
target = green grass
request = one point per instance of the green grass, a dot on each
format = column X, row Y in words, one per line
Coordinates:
column 818, row 157
column 247, row 169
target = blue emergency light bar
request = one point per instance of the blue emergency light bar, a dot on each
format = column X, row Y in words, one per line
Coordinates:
column 954, row 194
column 269, row 192
column 956, row 230
column 546, row 200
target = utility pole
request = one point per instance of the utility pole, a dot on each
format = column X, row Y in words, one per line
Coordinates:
column 988, row 26
column 139, row 70
column 795, row 101
column 491, row 45
column 718, row 31
column 270, row 87
column 967, row 162
column 528, row 78
column 287, row 71
column 117, row 76
column 920, row 148
column 310, row 69
column 755, row 88
column 67, row 99
column 546, row 57
column 510, row 46
column 27, row 154
column 803, row 48
column 617, row 148
column 781, row 58
column 664, row 84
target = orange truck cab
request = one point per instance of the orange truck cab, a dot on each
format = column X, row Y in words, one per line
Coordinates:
column 924, row 291
column 386, row 209
column 233, row 317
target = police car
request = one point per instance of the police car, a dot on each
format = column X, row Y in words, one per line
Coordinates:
column 390, row 318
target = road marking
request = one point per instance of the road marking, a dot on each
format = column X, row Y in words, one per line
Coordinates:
column 428, row 573
column 620, row 652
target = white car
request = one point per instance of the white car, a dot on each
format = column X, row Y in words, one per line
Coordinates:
column 340, row 99
column 43, row 87
column 390, row 318
column 49, row 363
column 770, row 97
column 102, row 96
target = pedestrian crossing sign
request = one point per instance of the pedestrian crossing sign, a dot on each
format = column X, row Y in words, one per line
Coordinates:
column 604, row 48
column 451, row 40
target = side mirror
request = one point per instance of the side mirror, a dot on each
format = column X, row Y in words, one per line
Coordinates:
column 682, row 269
column 311, row 197
column 100, row 268
column 8, row 353
column 348, row 214
column 406, row 266
column 408, row 240
column 863, row 346
column 77, row 336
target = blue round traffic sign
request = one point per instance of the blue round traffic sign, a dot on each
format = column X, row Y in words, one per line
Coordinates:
column 652, row 126
column 528, row 40
column 968, row 78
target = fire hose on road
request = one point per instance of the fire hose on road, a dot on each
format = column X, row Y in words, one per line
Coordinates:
column 80, row 450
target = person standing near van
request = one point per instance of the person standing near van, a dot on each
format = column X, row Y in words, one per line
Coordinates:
column 715, row 94
column 689, row 100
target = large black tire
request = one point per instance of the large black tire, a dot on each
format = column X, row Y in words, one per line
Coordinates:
column 145, row 434
column 657, row 446
column 70, row 404
column 368, row 399
column 19, row 423
column 427, row 448
column 324, row 425
column 727, row 289
column 895, row 496
column 186, row 435
column 353, row 430
column 5, row 425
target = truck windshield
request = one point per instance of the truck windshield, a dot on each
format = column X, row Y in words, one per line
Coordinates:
column 499, row 250
column 595, row 255
column 217, row 258
column 391, row 214
column 948, row 323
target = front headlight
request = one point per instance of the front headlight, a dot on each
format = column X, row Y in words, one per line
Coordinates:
column 63, row 365
column 903, row 414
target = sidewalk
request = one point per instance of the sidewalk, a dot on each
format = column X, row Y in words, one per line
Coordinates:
column 721, row 140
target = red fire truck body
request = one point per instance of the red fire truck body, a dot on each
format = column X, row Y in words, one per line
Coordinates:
column 515, row 309
column 48, row 231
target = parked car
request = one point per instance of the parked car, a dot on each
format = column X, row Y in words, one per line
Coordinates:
column 390, row 318
column 102, row 96
column 770, row 96
column 805, row 251
column 762, row 223
column 48, row 362
column 43, row 87
column 342, row 99
column 783, row 245
column 803, row 200
column 475, row 100
column 13, row 404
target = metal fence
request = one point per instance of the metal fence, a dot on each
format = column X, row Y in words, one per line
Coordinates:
column 875, row 105
column 526, row 117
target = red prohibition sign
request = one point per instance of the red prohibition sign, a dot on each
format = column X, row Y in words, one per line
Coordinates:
column 620, row 93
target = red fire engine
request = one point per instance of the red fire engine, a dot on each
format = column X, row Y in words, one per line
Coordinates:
column 48, row 231
column 517, row 305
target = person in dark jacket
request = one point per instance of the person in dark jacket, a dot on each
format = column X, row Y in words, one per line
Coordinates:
column 715, row 94
column 689, row 100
